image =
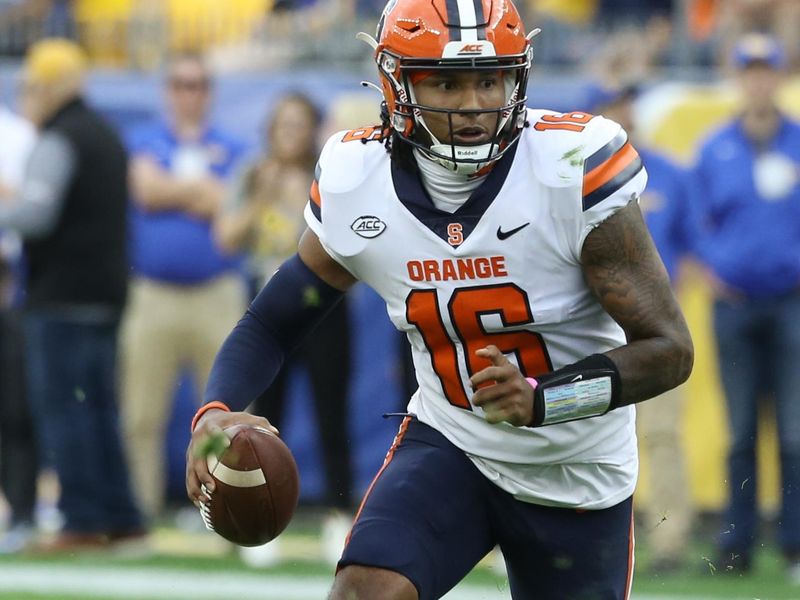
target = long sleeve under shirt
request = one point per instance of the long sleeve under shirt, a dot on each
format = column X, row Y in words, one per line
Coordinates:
column 35, row 210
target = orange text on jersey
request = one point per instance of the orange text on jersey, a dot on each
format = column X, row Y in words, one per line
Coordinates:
column 483, row 267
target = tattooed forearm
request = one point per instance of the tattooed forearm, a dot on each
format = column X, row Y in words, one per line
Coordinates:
column 623, row 269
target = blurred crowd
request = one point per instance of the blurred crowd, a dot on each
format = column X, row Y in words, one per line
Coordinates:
column 254, row 34
column 96, row 331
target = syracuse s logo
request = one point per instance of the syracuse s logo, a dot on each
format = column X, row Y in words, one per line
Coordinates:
column 368, row 226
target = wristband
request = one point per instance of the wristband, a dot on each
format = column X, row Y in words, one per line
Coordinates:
column 588, row 388
column 207, row 407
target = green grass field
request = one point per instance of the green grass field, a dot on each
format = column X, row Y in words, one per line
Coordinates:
column 200, row 566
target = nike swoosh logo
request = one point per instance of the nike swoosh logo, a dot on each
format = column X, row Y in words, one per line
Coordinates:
column 502, row 235
column 577, row 378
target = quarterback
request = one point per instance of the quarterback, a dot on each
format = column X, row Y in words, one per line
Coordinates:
column 508, row 245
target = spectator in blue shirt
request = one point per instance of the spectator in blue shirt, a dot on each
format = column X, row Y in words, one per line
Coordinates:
column 186, row 293
column 663, row 204
column 746, row 210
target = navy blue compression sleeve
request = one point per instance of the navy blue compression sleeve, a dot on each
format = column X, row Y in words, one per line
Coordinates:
column 291, row 304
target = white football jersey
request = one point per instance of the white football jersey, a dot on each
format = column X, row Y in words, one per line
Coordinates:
column 504, row 269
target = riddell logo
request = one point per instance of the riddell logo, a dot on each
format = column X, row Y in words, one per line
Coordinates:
column 471, row 49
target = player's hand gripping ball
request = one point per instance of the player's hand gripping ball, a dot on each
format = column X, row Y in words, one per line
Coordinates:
column 257, row 487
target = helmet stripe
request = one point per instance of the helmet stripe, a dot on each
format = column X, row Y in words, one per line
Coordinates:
column 468, row 20
column 454, row 19
column 480, row 19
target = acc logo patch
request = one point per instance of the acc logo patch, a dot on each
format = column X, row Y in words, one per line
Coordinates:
column 368, row 226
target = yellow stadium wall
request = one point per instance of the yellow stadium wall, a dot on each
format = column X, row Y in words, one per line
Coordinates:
column 578, row 12
column 687, row 115
column 112, row 29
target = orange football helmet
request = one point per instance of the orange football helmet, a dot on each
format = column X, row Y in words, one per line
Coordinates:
column 416, row 36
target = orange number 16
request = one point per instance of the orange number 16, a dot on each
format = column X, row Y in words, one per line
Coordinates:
column 466, row 308
column 574, row 121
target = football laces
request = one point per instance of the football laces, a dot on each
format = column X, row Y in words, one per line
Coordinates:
column 205, row 510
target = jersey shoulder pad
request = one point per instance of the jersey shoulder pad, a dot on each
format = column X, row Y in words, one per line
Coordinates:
column 566, row 146
column 347, row 159
column 348, row 165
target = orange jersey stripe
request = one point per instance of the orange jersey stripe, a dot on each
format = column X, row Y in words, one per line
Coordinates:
column 606, row 171
column 314, row 194
column 389, row 455
column 631, row 545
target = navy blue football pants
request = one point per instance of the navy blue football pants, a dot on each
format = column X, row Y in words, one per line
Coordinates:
column 432, row 516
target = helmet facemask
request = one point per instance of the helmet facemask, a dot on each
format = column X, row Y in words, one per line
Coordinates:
column 408, row 120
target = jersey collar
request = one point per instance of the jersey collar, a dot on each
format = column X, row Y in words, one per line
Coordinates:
column 412, row 194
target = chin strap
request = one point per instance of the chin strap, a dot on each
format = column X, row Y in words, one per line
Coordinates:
column 470, row 152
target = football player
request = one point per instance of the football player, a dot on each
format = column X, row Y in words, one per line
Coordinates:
column 509, row 246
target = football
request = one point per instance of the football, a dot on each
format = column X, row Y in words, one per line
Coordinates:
column 257, row 487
